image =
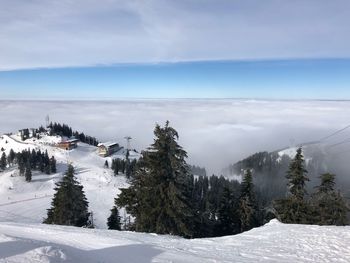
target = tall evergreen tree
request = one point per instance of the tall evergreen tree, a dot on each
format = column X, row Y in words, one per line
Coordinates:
column 28, row 172
column 53, row 165
column 228, row 216
column 113, row 221
column 11, row 157
column 294, row 208
column 160, row 194
column 297, row 176
column 247, row 203
column 21, row 164
column 69, row 205
column 3, row 161
column 329, row 206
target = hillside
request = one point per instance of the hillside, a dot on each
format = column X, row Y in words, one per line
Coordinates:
column 27, row 202
column 24, row 239
column 274, row 242
column 269, row 169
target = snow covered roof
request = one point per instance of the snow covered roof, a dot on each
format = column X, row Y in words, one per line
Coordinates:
column 108, row 144
column 70, row 141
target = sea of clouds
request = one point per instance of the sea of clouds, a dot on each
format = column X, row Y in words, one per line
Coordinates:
column 215, row 133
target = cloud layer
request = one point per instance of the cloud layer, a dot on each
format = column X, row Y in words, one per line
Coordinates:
column 214, row 132
column 64, row 33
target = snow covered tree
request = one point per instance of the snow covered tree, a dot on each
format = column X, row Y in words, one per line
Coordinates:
column 113, row 221
column 69, row 205
column 159, row 195
column 247, row 203
column 295, row 209
column 3, row 161
column 328, row 205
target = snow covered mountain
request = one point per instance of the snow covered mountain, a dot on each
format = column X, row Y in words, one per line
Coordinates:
column 269, row 168
column 24, row 239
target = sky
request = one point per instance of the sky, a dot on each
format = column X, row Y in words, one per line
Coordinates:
column 110, row 49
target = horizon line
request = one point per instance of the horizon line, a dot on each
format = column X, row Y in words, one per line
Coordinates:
column 165, row 98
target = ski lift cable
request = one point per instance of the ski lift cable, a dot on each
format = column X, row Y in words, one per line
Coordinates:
column 339, row 143
column 334, row 133
column 340, row 153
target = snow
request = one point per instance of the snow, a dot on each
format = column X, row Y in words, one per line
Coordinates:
column 274, row 242
column 290, row 152
column 27, row 202
column 24, row 239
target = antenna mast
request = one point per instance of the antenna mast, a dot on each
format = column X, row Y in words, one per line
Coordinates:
column 47, row 119
column 128, row 139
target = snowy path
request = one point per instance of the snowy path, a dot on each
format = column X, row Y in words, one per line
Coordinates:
column 25, row 200
column 274, row 242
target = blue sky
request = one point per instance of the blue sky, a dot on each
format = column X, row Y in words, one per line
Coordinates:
column 284, row 79
column 100, row 49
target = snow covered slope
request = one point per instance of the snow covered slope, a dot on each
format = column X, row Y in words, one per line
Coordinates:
column 274, row 242
column 27, row 202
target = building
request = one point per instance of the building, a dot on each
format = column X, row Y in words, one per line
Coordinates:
column 27, row 133
column 68, row 144
column 108, row 148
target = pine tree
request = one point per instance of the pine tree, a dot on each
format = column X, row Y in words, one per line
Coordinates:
column 113, row 221
column 46, row 160
column 228, row 216
column 11, row 157
column 115, row 166
column 328, row 205
column 3, row 161
column 247, row 203
column 106, row 164
column 128, row 168
column 160, row 194
column 297, row 176
column 53, row 165
column 295, row 209
column 28, row 172
column 69, row 205
column 33, row 159
column 21, row 164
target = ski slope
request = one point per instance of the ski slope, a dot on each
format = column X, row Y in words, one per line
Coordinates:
column 24, row 239
column 27, row 202
column 274, row 242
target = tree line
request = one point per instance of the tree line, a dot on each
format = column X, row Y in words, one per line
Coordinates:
column 326, row 206
column 123, row 166
column 27, row 161
column 65, row 130
column 164, row 197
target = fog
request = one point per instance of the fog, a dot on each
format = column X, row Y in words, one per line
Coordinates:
column 215, row 133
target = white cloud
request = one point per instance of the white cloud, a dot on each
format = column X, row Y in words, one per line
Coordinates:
column 64, row 33
column 214, row 132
